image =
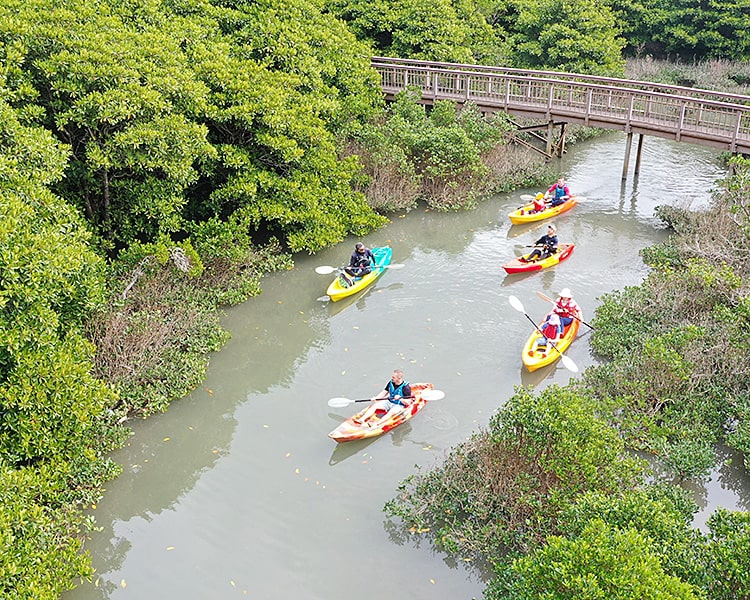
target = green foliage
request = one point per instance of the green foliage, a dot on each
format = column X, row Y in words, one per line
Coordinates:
column 507, row 487
column 40, row 553
column 446, row 30
column 441, row 153
column 184, row 114
column 51, row 407
column 729, row 555
column 602, row 562
column 580, row 37
column 685, row 28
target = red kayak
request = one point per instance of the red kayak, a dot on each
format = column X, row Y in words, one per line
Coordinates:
column 522, row 266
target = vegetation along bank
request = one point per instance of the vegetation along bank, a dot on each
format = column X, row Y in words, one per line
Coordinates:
column 159, row 157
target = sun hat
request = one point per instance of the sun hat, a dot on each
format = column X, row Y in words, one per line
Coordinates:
column 565, row 293
column 554, row 319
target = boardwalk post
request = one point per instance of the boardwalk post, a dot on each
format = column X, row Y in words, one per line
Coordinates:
column 550, row 132
column 628, row 144
column 638, row 155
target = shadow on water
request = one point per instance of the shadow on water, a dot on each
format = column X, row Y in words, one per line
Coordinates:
column 345, row 450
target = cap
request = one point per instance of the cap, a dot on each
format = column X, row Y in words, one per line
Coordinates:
column 565, row 293
column 552, row 227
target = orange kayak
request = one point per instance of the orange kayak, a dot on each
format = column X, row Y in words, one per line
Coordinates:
column 380, row 423
column 525, row 214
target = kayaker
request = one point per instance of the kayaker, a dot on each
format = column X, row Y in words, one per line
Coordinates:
column 551, row 330
column 396, row 394
column 558, row 193
column 539, row 203
column 547, row 245
column 360, row 263
column 566, row 308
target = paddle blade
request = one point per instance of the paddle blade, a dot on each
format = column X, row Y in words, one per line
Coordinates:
column 516, row 303
column 432, row 395
column 395, row 266
column 527, row 197
column 324, row 270
column 544, row 297
column 339, row 402
column 569, row 364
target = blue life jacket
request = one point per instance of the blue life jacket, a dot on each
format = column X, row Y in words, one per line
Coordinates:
column 393, row 390
column 559, row 192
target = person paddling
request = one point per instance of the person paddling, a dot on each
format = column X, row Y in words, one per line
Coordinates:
column 396, row 394
column 558, row 193
column 567, row 308
column 547, row 243
column 360, row 263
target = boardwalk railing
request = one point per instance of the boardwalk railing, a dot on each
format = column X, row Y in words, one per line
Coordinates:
column 672, row 112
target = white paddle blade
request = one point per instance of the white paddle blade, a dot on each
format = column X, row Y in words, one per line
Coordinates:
column 395, row 266
column 516, row 303
column 432, row 395
column 339, row 402
column 527, row 197
column 324, row 270
column 569, row 364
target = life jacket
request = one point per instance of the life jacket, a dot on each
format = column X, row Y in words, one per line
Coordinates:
column 539, row 204
column 550, row 331
column 393, row 391
column 566, row 308
column 559, row 192
column 365, row 259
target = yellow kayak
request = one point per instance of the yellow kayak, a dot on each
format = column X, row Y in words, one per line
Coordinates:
column 338, row 290
column 535, row 358
column 526, row 213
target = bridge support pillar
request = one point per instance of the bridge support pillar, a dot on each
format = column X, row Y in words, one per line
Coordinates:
column 626, row 162
column 550, row 133
column 638, row 154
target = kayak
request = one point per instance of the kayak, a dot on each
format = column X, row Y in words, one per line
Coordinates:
column 518, row 266
column 525, row 214
column 535, row 358
column 337, row 290
column 380, row 422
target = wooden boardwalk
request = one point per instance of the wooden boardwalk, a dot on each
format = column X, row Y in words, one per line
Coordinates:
column 678, row 113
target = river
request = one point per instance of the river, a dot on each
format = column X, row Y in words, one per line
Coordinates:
column 238, row 492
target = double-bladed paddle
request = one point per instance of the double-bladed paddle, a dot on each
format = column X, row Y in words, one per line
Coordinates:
column 327, row 270
column 429, row 395
column 548, row 299
column 529, row 198
column 566, row 361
